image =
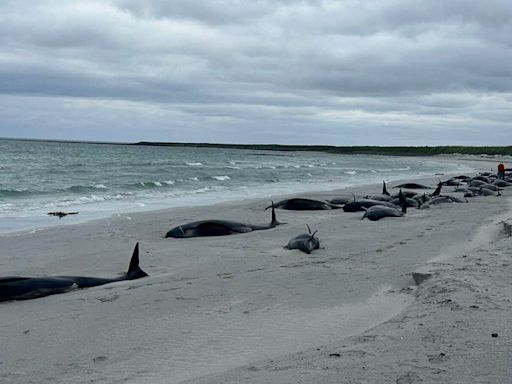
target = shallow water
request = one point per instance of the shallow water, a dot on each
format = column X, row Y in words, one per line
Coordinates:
column 100, row 179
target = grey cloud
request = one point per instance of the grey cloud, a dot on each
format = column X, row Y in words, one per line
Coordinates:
column 251, row 71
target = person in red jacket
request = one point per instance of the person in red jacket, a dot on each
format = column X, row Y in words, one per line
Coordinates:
column 501, row 171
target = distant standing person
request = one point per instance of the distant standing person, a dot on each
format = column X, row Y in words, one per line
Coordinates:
column 501, row 171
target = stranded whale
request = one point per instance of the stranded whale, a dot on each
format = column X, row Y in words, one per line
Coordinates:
column 218, row 227
column 306, row 242
column 22, row 288
column 300, row 204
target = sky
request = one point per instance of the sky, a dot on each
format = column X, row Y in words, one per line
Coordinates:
column 335, row 72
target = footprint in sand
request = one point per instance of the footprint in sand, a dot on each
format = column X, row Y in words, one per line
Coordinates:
column 225, row 275
column 441, row 358
column 99, row 359
column 409, row 378
column 107, row 299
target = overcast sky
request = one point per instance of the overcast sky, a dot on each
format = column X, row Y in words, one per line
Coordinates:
column 368, row 72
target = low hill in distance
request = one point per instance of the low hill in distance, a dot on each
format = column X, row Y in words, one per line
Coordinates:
column 352, row 150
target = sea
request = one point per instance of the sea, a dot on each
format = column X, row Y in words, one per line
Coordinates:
column 99, row 180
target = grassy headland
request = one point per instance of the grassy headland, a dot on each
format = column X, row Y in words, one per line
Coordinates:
column 352, row 150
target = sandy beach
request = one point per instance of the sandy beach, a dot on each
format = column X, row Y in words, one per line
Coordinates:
column 242, row 308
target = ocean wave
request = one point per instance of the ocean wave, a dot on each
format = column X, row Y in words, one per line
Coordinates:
column 351, row 172
column 194, row 164
column 153, row 184
column 391, row 169
column 84, row 188
column 15, row 192
column 221, row 178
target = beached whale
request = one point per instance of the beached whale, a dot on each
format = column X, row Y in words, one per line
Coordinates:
column 218, row 228
column 487, row 192
column 442, row 199
column 483, row 178
column 340, row 200
column 501, row 183
column 300, row 204
column 451, row 182
column 363, row 204
column 23, row 288
column 405, row 193
column 410, row 202
column 379, row 197
column 412, row 186
column 378, row 212
column 306, row 242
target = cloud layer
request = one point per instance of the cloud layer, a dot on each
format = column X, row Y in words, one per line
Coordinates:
column 376, row 72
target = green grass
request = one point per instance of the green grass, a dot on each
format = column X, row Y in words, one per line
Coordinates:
column 367, row 150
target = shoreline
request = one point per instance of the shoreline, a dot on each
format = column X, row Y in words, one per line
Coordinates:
column 205, row 296
column 239, row 196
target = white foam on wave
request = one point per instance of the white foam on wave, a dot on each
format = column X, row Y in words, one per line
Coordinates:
column 221, row 178
column 194, row 164
column 157, row 183
column 169, row 182
column 100, row 186
column 194, row 178
column 351, row 172
column 91, row 199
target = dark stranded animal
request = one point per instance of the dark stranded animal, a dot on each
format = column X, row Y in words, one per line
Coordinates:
column 218, row 227
column 23, row 288
column 305, row 242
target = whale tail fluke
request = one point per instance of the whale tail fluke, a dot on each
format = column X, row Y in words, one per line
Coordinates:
column 134, row 271
column 312, row 235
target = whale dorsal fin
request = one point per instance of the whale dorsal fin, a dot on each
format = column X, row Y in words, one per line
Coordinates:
column 134, row 261
column 438, row 189
column 274, row 221
column 134, row 271
column 403, row 201
column 384, row 190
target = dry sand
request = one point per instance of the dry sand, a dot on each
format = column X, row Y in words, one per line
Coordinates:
column 242, row 308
